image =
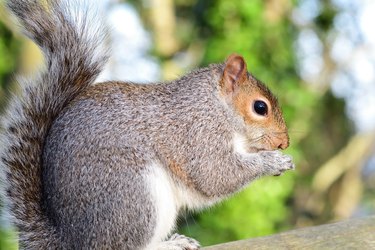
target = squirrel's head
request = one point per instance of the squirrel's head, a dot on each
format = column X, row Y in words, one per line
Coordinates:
column 254, row 102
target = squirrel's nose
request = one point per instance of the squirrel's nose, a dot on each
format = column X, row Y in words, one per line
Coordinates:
column 281, row 142
column 283, row 145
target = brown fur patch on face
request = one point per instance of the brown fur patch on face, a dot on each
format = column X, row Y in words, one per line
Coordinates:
column 241, row 103
column 271, row 127
column 261, row 88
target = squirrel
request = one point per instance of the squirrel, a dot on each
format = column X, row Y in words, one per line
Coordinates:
column 110, row 165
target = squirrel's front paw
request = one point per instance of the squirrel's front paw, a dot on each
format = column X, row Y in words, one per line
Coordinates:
column 275, row 162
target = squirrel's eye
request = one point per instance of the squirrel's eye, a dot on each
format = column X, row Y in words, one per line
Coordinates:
column 260, row 107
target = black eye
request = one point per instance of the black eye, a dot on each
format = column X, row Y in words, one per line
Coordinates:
column 260, row 107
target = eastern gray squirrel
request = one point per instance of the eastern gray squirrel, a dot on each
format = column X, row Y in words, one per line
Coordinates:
column 110, row 165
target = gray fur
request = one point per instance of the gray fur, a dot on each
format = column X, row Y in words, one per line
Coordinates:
column 77, row 155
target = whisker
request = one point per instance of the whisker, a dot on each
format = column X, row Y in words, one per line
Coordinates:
column 255, row 139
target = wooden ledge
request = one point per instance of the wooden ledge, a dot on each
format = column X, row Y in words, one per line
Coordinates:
column 348, row 234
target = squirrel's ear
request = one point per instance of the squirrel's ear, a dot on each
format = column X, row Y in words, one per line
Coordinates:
column 235, row 73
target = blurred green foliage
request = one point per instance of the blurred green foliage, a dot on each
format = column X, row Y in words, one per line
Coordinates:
column 9, row 49
column 7, row 239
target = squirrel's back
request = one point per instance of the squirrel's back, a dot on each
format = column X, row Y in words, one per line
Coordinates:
column 71, row 45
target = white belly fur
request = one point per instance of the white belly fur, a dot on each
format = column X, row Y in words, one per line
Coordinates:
column 169, row 197
column 161, row 189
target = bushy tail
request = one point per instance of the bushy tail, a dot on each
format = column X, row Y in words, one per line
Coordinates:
column 71, row 44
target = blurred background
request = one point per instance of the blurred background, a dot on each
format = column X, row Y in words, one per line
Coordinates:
column 318, row 57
